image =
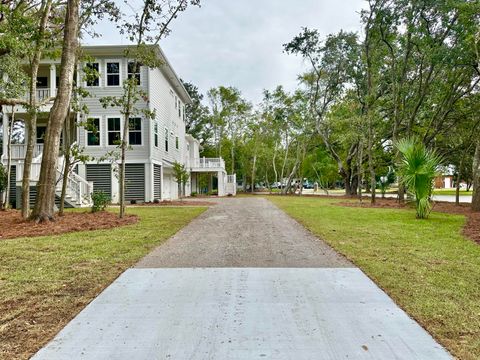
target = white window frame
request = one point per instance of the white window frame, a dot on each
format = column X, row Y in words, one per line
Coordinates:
column 177, row 142
column 139, row 72
column 119, row 61
column 107, row 132
column 100, row 77
column 166, row 140
column 141, row 131
column 100, row 130
column 156, row 135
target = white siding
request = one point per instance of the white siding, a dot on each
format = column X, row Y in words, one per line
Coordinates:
column 137, row 153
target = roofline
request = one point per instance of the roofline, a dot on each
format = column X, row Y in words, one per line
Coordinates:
column 167, row 69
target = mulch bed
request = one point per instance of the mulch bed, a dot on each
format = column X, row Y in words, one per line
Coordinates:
column 13, row 226
column 471, row 229
column 179, row 203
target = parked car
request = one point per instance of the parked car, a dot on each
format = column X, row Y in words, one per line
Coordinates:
column 307, row 185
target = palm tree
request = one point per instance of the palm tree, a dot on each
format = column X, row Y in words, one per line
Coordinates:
column 417, row 171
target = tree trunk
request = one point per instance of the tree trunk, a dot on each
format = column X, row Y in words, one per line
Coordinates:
column 459, row 178
column 121, row 178
column 253, row 172
column 274, row 164
column 476, row 179
column 66, row 164
column 360, row 169
column 232, row 152
column 6, row 203
column 45, row 202
column 31, row 124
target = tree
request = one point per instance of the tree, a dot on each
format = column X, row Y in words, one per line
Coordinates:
column 476, row 178
column 45, row 201
column 418, row 170
column 332, row 62
column 3, row 184
column 197, row 115
column 181, row 176
column 148, row 26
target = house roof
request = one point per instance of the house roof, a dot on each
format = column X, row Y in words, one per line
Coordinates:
column 167, row 69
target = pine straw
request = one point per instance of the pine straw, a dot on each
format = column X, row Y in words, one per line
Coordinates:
column 13, row 226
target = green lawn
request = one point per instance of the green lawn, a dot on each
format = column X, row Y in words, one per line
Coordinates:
column 451, row 192
column 426, row 266
column 45, row 281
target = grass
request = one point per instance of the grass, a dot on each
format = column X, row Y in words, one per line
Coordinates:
column 451, row 192
column 46, row 281
column 426, row 266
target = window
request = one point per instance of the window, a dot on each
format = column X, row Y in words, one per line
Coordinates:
column 155, row 133
column 133, row 71
column 176, row 102
column 42, row 82
column 113, row 131
column 166, row 139
column 177, row 143
column 92, row 74
column 93, row 132
column 113, row 74
column 41, row 130
column 135, row 131
column 179, row 109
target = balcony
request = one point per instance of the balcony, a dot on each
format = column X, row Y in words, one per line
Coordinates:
column 42, row 94
column 208, row 164
column 19, row 150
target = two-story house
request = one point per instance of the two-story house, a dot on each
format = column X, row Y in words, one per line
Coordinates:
column 155, row 145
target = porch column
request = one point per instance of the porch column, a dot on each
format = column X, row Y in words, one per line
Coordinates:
column 5, row 135
column 221, row 183
column 53, row 79
column 162, row 184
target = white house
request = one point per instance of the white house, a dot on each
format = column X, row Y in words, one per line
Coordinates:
column 155, row 145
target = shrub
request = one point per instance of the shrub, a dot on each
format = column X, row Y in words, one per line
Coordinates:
column 100, row 201
column 3, row 181
column 417, row 172
column 193, row 194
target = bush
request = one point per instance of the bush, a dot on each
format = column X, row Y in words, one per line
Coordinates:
column 193, row 194
column 100, row 201
column 418, row 170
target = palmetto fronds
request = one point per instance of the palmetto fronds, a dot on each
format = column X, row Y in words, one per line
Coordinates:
column 417, row 171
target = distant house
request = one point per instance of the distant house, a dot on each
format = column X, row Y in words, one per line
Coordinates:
column 446, row 178
column 155, row 144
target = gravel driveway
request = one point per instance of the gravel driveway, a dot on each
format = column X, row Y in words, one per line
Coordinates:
column 244, row 232
column 243, row 281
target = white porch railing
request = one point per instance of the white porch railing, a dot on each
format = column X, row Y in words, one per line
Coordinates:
column 78, row 188
column 42, row 94
column 19, row 150
column 208, row 163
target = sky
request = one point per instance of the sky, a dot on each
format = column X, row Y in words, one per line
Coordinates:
column 239, row 42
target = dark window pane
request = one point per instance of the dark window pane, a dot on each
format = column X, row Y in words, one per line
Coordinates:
column 114, row 124
column 113, row 68
column 42, row 82
column 41, row 130
column 113, row 80
column 113, row 138
column 93, row 74
column 93, row 139
column 135, row 138
column 135, row 124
